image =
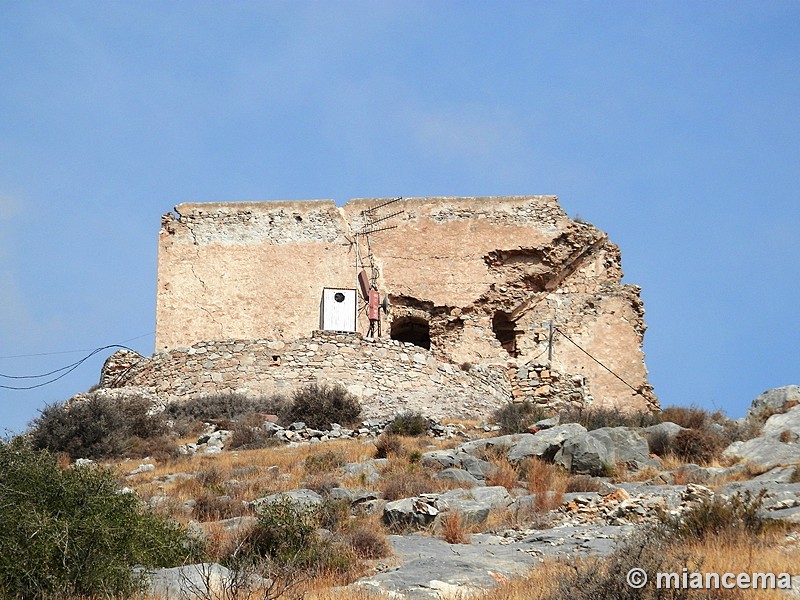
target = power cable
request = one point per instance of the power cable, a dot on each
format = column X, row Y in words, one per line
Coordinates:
column 138, row 337
column 574, row 343
column 66, row 370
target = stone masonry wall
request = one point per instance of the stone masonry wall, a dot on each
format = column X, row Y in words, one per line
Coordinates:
column 386, row 375
column 483, row 276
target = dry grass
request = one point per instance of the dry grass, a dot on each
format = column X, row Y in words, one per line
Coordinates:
column 740, row 554
column 453, row 530
column 402, row 478
column 547, row 482
column 244, row 475
column 503, row 473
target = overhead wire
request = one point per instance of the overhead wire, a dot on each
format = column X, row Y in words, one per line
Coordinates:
column 574, row 343
column 62, row 371
column 138, row 337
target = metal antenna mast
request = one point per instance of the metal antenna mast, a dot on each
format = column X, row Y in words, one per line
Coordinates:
column 372, row 223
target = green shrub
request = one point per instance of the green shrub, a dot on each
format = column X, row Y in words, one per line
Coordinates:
column 408, row 423
column 517, row 417
column 319, row 405
column 98, row 427
column 66, row 533
column 285, row 542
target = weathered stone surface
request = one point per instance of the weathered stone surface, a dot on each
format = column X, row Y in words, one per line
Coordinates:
column 600, row 449
column 459, row 476
column 496, row 497
column 785, row 426
column 775, row 400
column 200, row 580
column 418, row 511
column 305, row 498
column 544, row 444
column 583, row 454
column 764, row 454
column 500, row 443
column 476, row 467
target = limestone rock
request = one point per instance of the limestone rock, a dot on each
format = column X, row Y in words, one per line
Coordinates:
column 544, row 444
column 775, row 400
column 459, row 476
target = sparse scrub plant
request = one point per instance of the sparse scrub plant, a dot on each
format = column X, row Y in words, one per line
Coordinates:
column 408, row 423
column 453, row 529
column 690, row 417
column 97, row 427
column 739, row 515
column 319, row 405
column 225, row 405
column 324, row 462
column 697, row 445
column 369, row 543
column 547, row 482
column 517, row 417
column 503, row 473
column 388, row 445
column 596, row 418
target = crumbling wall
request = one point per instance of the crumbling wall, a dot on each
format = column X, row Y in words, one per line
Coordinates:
column 386, row 375
column 477, row 280
column 248, row 270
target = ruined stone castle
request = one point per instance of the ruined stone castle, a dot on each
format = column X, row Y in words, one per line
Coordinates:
column 479, row 301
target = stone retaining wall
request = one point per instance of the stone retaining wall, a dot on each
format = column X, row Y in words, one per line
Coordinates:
column 386, row 375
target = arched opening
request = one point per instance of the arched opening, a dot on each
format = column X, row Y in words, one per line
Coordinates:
column 505, row 331
column 412, row 329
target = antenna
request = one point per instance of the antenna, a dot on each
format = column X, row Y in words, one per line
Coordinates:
column 371, row 225
column 373, row 222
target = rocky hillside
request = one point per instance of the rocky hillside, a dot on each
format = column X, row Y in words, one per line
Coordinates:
column 416, row 508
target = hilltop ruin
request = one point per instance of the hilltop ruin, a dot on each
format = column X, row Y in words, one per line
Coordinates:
column 472, row 287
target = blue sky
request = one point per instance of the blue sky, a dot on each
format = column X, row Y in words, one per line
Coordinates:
column 673, row 126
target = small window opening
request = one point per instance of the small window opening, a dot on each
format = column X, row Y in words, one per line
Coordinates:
column 506, row 332
column 412, row 329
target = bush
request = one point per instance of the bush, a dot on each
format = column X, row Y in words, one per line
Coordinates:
column 595, row 418
column 408, row 423
column 97, row 427
column 369, row 543
column 517, row 417
column 697, row 445
column 387, row 445
column 229, row 406
column 690, row 417
column 412, row 480
column 738, row 515
column 286, row 544
column 249, row 434
column 325, row 462
column 71, row 533
column 319, row 405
